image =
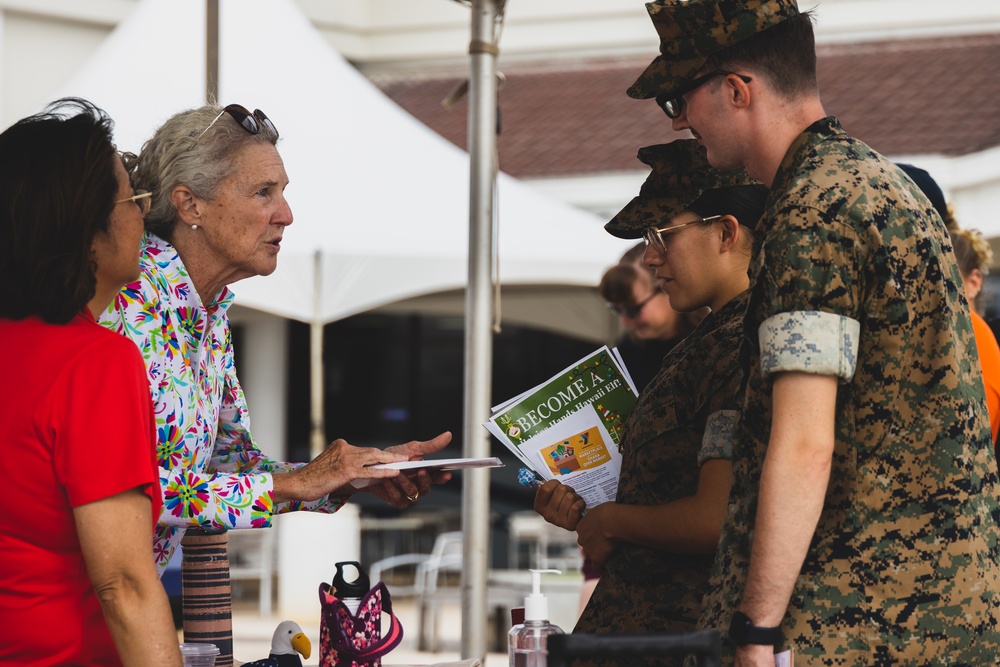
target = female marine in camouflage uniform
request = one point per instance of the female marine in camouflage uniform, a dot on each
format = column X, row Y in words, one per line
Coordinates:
column 656, row 542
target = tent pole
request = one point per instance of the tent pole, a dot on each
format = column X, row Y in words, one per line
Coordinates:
column 317, row 434
column 212, row 52
column 478, row 341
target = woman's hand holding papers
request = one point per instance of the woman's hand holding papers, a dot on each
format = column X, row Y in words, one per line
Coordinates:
column 404, row 490
column 559, row 504
column 595, row 533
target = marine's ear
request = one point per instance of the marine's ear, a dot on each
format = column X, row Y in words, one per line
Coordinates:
column 739, row 91
column 732, row 233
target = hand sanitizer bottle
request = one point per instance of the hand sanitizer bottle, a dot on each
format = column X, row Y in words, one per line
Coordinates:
column 527, row 643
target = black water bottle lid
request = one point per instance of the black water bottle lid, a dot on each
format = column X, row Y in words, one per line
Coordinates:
column 350, row 589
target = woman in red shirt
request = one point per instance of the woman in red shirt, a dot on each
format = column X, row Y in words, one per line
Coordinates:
column 77, row 580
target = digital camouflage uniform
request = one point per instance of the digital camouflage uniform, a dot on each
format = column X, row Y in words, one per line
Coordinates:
column 853, row 276
column 684, row 417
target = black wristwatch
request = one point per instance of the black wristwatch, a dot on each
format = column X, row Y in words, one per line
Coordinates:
column 742, row 631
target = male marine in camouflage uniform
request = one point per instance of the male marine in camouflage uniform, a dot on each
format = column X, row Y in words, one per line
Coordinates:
column 862, row 527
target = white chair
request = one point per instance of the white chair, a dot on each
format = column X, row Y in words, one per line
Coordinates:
column 251, row 556
column 445, row 558
column 542, row 538
column 435, row 581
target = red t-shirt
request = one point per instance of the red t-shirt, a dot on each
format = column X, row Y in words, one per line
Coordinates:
column 76, row 426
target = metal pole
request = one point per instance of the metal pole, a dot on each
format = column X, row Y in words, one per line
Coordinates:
column 212, row 52
column 317, row 435
column 478, row 341
column 207, row 594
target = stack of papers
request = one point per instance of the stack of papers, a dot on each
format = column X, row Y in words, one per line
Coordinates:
column 570, row 427
column 443, row 464
column 432, row 464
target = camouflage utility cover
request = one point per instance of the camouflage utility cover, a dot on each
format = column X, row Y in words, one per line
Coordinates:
column 692, row 30
column 684, row 416
column 902, row 569
column 680, row 174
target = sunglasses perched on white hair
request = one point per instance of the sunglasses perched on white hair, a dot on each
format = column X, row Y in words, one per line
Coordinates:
column 251, row 122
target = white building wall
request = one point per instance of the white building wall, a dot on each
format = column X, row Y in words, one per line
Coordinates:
column 380, row 34
column 43, row 42
column 50, row 38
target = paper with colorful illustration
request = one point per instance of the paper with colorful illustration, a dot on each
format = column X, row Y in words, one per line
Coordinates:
column 579, row 452
column 597, row 386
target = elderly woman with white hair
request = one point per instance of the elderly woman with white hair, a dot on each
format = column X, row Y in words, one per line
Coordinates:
column 218, row 215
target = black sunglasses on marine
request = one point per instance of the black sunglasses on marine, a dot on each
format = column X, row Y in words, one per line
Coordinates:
column 672, row 103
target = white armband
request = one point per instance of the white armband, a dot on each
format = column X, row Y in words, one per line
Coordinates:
column 717, row 443
column 810, row 341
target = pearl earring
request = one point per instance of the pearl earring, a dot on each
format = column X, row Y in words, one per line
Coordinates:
column 194, row 226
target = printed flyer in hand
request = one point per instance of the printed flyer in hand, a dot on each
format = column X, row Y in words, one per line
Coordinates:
column 569, row 427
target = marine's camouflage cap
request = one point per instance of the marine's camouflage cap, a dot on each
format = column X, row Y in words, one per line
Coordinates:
column 681, row 173
column 692, row 30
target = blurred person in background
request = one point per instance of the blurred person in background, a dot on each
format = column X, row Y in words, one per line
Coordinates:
column 651, row 327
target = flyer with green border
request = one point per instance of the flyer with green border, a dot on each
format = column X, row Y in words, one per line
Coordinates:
column 599, row 379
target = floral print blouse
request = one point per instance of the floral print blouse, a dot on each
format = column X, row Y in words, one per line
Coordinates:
column 212, row 475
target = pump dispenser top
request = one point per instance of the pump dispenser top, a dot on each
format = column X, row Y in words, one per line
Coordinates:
column 536, row 605
column 528, row 642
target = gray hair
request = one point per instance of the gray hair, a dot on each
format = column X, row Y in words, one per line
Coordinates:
column 179, row 154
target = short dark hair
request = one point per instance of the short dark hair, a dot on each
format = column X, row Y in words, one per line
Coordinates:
column 743, row 202
column 784, row 54
column 57, row 191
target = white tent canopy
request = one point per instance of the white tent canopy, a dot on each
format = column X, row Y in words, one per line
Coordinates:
column 381, row 198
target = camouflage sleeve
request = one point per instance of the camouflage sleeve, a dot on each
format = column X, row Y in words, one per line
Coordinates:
column 811, row 342
column 812, row 289
column 717, row 443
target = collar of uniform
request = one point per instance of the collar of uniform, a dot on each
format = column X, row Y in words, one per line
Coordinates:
column 820, row 131
column 737, row 303
column 735, row 307
column 163, row 253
